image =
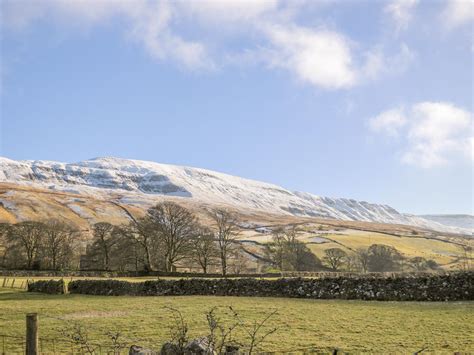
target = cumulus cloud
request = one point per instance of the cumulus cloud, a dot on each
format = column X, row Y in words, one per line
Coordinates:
column 401, row 12
column 194, row 34
column 320, row 57
column 432, row 133
column 457, row 13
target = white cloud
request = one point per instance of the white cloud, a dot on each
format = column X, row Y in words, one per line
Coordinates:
column 201, row 35
column 389, row 122
column 433, row 133
column 320, row 57
column 401, row 12
column 228, row 11
column 457, row 13
column 147, row 22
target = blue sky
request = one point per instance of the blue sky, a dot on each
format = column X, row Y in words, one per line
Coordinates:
column 367, row 100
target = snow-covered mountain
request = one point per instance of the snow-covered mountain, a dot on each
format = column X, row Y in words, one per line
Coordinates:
column 464, row 221
column 140, row 179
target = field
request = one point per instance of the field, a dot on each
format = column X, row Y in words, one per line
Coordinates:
column 444, row 251
column 302, row 324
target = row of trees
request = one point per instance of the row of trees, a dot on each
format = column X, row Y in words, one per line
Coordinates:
column 35, row 245
column 163, row 238
column 376, row 258
column 167, row 235
column 287, row 253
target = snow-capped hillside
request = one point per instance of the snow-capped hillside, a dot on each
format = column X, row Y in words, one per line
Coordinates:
column 140, row 179
column 464, row 221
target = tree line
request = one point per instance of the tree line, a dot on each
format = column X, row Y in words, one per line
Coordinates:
column 287, row 253
column 169, row 236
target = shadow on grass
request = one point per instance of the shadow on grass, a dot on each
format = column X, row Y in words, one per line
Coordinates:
column 7, row 294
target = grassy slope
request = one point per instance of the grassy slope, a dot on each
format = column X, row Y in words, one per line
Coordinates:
column 442, row 252
column 355, row 325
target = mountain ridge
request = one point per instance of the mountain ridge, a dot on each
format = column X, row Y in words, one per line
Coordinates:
column 136, row 179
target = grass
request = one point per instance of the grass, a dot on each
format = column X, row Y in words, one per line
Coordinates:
column 445, row 253
column 357, row 326
column 442, row 252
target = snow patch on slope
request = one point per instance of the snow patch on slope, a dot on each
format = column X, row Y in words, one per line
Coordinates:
column 141, row 180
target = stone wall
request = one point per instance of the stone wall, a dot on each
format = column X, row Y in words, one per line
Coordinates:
column 47, row 286
column 446, row 287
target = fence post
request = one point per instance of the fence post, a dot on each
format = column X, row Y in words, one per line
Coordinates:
column 32, row 334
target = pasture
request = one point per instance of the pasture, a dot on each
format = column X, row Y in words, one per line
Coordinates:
column 319, row 325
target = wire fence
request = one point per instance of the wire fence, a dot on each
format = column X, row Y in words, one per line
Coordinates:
column 75, row 345
column 17, row 345
column 14, row 283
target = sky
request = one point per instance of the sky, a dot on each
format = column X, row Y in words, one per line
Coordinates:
column 370, row 100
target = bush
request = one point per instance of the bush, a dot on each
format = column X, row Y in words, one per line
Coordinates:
column 55, row 287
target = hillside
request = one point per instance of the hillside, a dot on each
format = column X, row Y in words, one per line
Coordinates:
column 19, row 202
column 140, row 183
column 464, row 221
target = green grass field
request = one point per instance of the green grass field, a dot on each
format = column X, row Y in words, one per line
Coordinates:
column 355, row 326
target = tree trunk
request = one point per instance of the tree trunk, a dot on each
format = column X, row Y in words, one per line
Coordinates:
column 148, row 259
column 224, row 264
column 169, row 264
column 106, row 266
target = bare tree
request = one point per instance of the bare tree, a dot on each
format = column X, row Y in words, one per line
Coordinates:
column 335, row 257
column 27, row 237
column 58, row 243
column 352, row 262
column 240, row 260
column 382, row 258
column 4, row 228
column 276, row 249
column 289, row 253
column 227, row 231
column 128, row 253
column 176, row 227
column 143, row 232
column 204, row 248
column 466, row 259
column 104, row 241
column 363, row 259
column 297, row 256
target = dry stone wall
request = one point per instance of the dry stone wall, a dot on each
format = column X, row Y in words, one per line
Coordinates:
column 457, row 286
